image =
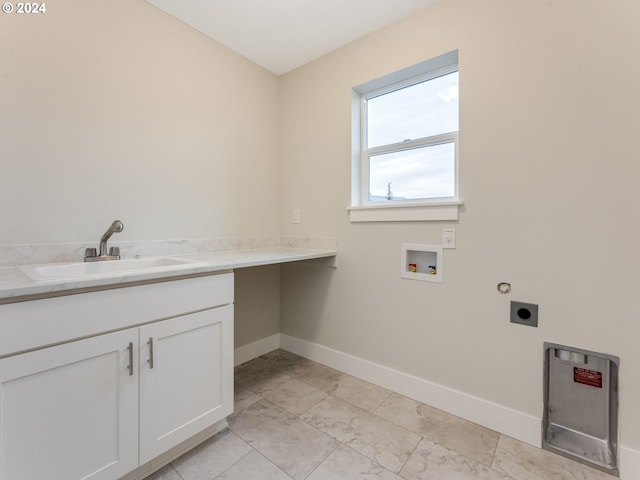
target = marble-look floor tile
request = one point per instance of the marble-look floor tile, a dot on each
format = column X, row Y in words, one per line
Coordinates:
column 243, row 398
column 212, row 457
column 472, row 440
column 283, row 438
column 289, row 363
column 254, row 467
column 166, row 473
column 351, row 389
column 347, row 464
column 258, row 367
column 293, row 395
column 431, row 461
column 371, row 435
column 258, row 374
column 525, row 462
column 251, row 367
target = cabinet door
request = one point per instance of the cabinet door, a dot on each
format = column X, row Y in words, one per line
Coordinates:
column 69, row 412
column 186, row 377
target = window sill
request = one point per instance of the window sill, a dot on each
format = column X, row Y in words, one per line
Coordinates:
column 427, row 212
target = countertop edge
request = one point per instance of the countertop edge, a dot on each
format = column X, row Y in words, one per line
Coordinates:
column 15, row 287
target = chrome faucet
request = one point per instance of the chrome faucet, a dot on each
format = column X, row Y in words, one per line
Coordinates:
column 114, row 252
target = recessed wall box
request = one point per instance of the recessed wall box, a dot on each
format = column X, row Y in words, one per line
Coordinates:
column 421, row 262
column 581, row 406
column 524, row 313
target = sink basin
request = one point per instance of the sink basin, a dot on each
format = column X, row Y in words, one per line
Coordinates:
column 113, row 268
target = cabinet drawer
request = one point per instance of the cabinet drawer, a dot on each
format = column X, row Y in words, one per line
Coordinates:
column 39, row 323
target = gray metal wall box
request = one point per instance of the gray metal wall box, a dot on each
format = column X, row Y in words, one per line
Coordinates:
column 581, row 406
column 524, row 313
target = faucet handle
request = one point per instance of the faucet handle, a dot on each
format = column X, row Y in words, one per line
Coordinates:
column 90, row 252
column 114, row 252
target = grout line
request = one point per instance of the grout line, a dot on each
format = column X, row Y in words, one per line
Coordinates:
column 176, row 471
column 495, row 450
column 269, row 460
column 410, row 455
column 328, row 455
column 237, row 461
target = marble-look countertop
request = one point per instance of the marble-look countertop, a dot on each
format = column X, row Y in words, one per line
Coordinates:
column 16, row 285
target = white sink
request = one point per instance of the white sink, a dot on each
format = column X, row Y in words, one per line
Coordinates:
column 112, row 268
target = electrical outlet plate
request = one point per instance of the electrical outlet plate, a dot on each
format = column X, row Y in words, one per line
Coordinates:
column 296, row 216
column 448, row 238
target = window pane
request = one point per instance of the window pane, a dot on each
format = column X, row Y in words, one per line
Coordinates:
column 422, row 110
column 427, row 172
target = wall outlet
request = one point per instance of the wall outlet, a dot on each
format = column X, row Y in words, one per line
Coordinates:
column 448, row 238
column 296, row 216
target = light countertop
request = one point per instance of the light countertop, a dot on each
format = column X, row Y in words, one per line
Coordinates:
column 16, row 285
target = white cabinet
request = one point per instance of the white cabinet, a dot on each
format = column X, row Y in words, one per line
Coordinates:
column 101, row 407
column 70, row 411
column 184, row 378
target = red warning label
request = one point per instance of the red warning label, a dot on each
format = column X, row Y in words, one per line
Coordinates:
column 587, row 377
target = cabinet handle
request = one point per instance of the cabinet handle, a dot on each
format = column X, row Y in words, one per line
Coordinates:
column 150, row 342
column 130, row 366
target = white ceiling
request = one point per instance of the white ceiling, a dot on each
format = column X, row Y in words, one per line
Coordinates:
column 281, row 35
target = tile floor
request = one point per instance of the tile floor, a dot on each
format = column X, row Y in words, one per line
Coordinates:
column 297, row 419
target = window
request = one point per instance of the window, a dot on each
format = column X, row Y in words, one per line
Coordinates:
column 405, row 128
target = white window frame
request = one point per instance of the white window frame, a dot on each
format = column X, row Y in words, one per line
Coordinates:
column 433, row 209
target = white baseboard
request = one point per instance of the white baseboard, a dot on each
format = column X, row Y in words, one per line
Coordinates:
column 522, row 426
column 255, row 349
column 629, row 463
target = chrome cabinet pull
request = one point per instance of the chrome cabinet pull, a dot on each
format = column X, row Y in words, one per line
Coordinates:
column 150, row 342
column 130, row 366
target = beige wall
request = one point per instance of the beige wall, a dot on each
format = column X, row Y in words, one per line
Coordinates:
column 117, row 110
column 549, row 172
column 113, row 109
column 257, row 303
